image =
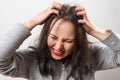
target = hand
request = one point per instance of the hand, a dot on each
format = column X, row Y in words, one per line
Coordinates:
column 80, row 11
column 89, row 28
column 42, row 16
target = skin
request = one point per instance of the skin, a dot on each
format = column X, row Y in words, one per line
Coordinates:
column 39, row 18
column 61, row 39
column 88, row 26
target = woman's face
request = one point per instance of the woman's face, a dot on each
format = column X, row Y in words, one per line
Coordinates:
column 61, row 39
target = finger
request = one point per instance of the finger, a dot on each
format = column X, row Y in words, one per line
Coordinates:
column 80, row 13
column 55, row 5
column 54, row 11
column 86, row 17
column 81, row 21
column 79, row 8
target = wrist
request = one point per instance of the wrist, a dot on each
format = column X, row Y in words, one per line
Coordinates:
column 100, row 34
column 30, row 24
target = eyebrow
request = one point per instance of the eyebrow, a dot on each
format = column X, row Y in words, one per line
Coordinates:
column 65, row 39
column 52, row 34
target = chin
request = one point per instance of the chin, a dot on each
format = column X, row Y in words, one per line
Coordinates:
column 57, row 58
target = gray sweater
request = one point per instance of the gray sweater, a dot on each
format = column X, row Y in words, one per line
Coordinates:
column 20, row 63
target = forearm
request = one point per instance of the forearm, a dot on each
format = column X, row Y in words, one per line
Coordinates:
column 30, row 24
column 100, row 34
column 41, row 17
column 108, row 56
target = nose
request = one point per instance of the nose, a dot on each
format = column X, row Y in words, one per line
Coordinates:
column 58, row 45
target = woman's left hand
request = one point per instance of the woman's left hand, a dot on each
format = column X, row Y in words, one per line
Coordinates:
column 89, row 28
column 80, row 11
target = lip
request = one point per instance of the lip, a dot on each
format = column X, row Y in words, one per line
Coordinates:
column 57, row 53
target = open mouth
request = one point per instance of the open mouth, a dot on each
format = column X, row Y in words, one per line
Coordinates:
column 57, row 53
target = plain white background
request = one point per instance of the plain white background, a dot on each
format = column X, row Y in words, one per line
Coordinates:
column 104, row 14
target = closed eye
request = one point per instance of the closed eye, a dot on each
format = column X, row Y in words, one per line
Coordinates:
column 53, row 36
column 69, row 41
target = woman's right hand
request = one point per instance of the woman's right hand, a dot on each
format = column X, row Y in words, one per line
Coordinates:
column 42, row 16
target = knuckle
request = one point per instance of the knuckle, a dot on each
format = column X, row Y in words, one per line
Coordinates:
column 53, row 11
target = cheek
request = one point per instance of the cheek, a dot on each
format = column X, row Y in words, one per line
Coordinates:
column 69, row 48
column 49, row 42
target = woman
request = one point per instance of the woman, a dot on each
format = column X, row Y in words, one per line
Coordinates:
column 63, row 52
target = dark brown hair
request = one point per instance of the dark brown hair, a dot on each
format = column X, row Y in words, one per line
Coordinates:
column 78, row 59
